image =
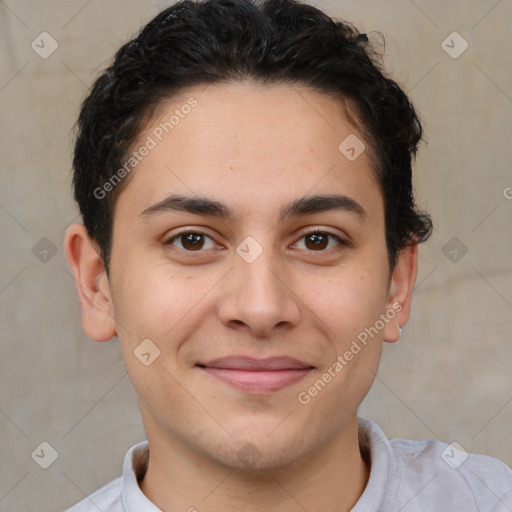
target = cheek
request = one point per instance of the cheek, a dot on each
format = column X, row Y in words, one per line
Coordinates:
column 348, row 302
column 150, row 307
column 157, row 304
column 350, row 306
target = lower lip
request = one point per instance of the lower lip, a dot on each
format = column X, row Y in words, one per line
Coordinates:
column 258, row 381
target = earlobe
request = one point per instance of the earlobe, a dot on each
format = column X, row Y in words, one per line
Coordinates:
column 92, row 283
column 400, row 289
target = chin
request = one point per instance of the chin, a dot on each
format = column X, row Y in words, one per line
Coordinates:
column 252, row 460
column 259, row 450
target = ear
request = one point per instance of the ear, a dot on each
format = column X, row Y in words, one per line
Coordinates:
column 400, row 290
column 92, row 282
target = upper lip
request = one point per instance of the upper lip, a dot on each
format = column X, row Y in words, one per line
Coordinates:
column 254, row 364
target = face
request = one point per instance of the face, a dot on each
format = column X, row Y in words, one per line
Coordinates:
column 251, row 304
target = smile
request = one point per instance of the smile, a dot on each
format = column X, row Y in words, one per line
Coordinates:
column 257, row 375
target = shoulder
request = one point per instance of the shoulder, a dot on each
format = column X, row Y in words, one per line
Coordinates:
column 447, row 476
column 106, row 499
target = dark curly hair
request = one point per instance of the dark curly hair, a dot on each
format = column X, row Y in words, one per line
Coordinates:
column 272, row 42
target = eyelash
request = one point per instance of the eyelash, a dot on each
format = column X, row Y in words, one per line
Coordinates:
column 341, row 243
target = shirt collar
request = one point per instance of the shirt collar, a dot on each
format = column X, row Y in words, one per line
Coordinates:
column 378, row 494
column 382, row 485
column 134, row 469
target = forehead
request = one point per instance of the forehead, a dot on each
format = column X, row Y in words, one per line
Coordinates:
column 251, row 146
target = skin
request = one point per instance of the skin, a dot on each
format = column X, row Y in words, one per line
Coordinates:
column 255, row 149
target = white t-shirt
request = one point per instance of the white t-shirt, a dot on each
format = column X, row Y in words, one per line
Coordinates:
column 405, row 476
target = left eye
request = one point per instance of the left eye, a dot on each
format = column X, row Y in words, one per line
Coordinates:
column 319, row 240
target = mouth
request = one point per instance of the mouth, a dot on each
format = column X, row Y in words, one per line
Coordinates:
column 257, row 375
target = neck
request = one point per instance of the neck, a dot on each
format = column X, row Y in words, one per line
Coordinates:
column 331, row 480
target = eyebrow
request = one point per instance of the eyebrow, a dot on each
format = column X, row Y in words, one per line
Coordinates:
column 211, row 208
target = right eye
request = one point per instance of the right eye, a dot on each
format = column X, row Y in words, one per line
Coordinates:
column 190, row 241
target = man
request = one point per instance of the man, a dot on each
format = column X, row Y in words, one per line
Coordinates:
column 250, row 235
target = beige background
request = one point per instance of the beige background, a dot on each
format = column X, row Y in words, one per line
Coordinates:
column 449, row 377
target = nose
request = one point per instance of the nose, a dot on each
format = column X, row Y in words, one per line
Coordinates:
column 256, row 297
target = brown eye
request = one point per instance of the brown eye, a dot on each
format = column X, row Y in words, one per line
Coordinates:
column 316, row 241
column 191, row 241
column 319, row 241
